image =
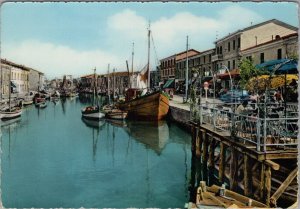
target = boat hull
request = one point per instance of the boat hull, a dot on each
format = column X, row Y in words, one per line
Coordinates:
column 152, row 107
column 118, row 115
column 27, row 102
column 10, row 115
column 92, row 114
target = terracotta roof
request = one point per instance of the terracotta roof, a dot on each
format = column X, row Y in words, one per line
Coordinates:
column 274, row 40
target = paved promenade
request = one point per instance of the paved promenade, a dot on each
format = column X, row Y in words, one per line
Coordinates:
column 177, row 101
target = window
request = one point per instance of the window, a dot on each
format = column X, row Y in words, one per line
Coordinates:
column 239, row 43
column 262, row 57
column 233, row 45
column 209, row 58
column 229, row 46
column 279, row 54
column 228, row 64
column 233, row 64
column 204, row 59
column 217, row 50
column 221, row 50
column 249, row 58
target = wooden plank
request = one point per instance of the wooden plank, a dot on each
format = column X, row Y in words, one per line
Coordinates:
column 222, row 162
column 273, row 165
column 283, row 187
column 198, row 143
column 268, row 184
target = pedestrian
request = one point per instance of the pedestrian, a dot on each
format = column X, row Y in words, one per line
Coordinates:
column 242, row 107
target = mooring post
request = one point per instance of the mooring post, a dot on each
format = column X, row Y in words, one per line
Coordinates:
column 222, row 162
column 247, row 176
column 233, row 169
column 262, row 181
column 211, row 156
column 268, row 184
column 194, row 136
column 198, row 143
column 204, row 149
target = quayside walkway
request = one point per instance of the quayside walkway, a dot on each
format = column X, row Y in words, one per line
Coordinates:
column 255, row 156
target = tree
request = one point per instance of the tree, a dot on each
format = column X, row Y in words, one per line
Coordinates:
column 248, row 71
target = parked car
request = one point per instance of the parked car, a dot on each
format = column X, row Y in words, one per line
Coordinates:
column 235, row 96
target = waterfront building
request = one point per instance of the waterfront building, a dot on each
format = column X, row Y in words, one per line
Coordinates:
column 36, row 80
column 278, row 48
column 228, row 49
column 181, row 67
column 154, row 78
column 19, row 78
column 167, row 68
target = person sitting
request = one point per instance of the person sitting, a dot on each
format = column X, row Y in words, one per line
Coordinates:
column 278, row 96
column 242, row 107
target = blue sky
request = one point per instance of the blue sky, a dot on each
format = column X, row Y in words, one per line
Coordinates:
column 72, row 38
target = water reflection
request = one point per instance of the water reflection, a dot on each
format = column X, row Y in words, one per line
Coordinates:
column 93, row 123
column 155, row 136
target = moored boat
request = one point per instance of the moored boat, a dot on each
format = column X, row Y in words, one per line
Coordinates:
column 93, row 112
column 41, row 104
column 153, row 106
column 116, row 114
column 27, row 102
column 10, row 113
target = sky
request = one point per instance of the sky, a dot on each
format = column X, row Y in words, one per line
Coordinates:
column 74, row 38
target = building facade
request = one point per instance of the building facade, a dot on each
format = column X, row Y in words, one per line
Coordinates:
column 167, row 68
column 280, row 48
column 228, row 49
column 36, row 80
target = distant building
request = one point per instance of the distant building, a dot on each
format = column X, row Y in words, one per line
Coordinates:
column 36, row 80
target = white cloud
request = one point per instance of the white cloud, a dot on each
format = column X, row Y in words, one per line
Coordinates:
column 56, row 60
column 169, row 34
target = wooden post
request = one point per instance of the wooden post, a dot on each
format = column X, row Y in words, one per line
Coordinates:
column 233, row 169
column 198, row 142
column 204, row 150
column 247, row 176
column 222, row 162
column 268, row 184
column 194, row 135
column 211, row 157
column 262, row 181
column 283, row 187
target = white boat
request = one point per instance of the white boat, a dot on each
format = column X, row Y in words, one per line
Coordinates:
column 93, row 112
column 41, row 104
column 10, row 114
column 27, row 102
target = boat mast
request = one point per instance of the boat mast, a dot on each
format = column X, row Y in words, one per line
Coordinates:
column 108, row 91
column 187, row 69
column 9, row 92
column 94, row 93
column 132, row 55
column 148, row 65
column 114, row 84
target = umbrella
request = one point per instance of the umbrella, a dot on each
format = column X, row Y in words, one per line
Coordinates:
column 263, row 81
column 282, row 65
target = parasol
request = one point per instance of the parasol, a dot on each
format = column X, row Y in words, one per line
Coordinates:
column 273, row 82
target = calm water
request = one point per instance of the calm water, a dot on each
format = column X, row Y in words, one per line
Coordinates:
column 52, row 158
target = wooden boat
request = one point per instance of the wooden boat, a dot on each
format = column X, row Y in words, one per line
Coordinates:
column 27, row 102
column 153, row 106
column 10, row 113
column 41, row 104
column 116, row 114
column 93, row 112
column 220, row 197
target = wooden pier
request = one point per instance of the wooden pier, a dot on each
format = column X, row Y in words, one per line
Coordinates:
column 266, row 175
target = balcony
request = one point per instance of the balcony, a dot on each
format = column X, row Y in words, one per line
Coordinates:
column 216, row 57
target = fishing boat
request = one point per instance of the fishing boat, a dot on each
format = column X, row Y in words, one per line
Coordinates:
column 150, row 106
column 10, row 112
column 27, row 101
column 41, row 104
column 93, row 112
column 116, row 114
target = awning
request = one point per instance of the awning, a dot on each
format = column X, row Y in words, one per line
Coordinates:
column 282, row 66
column 168, row 84
column 233, row 73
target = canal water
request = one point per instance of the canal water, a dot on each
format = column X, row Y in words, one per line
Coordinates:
column 52, row 158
